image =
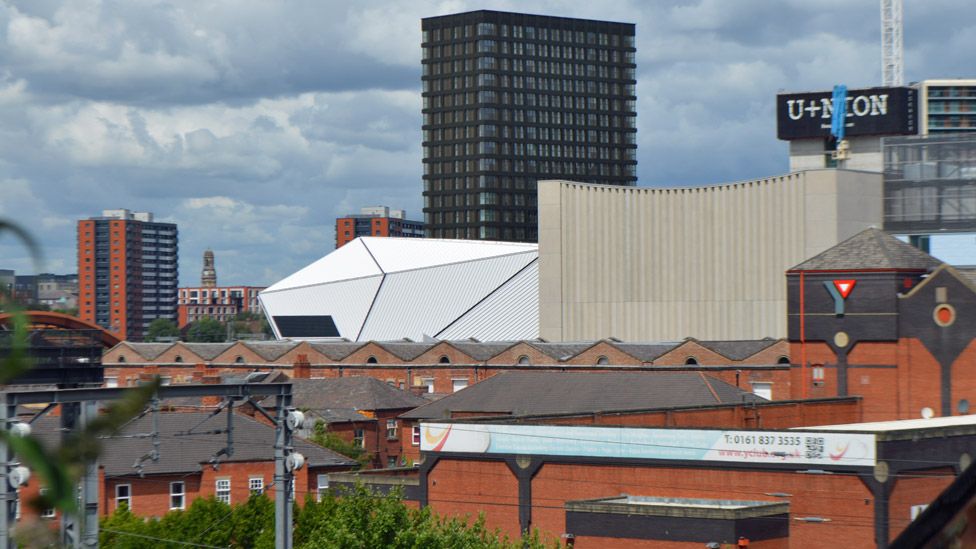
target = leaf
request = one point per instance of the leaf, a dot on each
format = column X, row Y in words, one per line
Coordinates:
column 16, row 363
column 53, row 473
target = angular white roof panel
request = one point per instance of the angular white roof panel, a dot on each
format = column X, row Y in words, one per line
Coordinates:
column 403, row 254
column 392, row 288
column 346, row 301
column 422, row 302
column 350, row 261
column 508, row 302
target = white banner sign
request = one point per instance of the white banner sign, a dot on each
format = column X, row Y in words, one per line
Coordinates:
column 794, row 447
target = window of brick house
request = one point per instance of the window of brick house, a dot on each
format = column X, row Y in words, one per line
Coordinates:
column 255, row 485
column 123, row 496
column 322, row 486
column 359, row 438
column 391, row 429
column 415, row 435
column 223, row 490
column 50, row 511
column 177, row 495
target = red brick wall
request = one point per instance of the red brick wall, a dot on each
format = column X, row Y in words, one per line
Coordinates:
column 776, row 416
column 593, row 542
column 468, row 488
column 842, row 498
column 150, row 494
column 914, row 489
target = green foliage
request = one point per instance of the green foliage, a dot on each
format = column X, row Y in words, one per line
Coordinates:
column 161, row 327
column 357, row 519
column 323, row 437
column 207, row 330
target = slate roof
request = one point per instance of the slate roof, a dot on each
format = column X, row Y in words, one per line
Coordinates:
column 352, row 393
column 482, row 350
column 406, row 350
column 561, row 351
column 870, row 249
column 338, row 415
column 337, row 350
column 739, row 350
column 149, row 351
column 524, row 393
column 208, row 351
column 253, row 441
column 646, row 352
column 270, row 350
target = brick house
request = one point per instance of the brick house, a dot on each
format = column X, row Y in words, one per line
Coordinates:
column 184, row 471
column 362, row 411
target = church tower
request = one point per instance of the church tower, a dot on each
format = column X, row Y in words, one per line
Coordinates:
column 208, row 278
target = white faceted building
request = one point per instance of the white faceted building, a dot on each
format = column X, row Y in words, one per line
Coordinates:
column 385, row 288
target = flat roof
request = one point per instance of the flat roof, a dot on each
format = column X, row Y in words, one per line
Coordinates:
column 936, row 426
column 679, row 507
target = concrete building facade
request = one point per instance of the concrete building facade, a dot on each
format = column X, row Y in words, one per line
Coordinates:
column 646, row 264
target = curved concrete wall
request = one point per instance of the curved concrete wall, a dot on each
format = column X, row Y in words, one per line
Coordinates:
column 646, row 264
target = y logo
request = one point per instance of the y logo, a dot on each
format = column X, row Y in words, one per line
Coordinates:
column 839, row 290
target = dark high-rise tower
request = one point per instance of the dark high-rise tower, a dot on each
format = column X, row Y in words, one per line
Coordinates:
column 510, row 99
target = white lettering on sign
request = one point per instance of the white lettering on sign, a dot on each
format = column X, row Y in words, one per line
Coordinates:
column 861, row 105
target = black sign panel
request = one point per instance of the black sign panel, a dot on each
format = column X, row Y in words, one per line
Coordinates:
column 306, row 326
column 870, row 111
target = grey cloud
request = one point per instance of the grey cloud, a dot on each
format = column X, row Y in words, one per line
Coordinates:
column 296, row 112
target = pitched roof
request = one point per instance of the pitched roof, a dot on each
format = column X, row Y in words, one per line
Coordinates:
column 870, row 249
column 270, row 350
column 208, row 351
column 182, row 453
column 337, row 350
column 561, row 351
column 481, row 350
column 645, row 352
column 149, row 351
column 339, row 415
column 739, row 350
column 544, row 393
column 354, row 393
column 406, row 350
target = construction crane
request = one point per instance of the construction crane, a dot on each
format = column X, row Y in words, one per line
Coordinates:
column 892, row 71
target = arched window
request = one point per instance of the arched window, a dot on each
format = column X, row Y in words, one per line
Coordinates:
column 121, row 358
column 524, row 360
column 239, row 360
column 444, row 360
column 371, row 360
column 783, row 360
column 691, row 361
column 178, row 359
column 603, row 361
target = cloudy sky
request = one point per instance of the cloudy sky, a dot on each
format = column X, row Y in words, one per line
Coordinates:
column 254, row 123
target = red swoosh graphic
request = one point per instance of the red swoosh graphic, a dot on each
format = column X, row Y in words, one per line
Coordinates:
column 836, row 457
column 443, row 440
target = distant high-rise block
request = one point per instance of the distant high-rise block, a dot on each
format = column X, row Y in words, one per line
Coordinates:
column 127, row 271
column 376, row 221
column 511, row 99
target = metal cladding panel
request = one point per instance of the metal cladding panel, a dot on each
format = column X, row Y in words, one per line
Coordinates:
column 350, row 261
column 347, row 302
column 404, row 254
column 425, row 301
column 510, row 313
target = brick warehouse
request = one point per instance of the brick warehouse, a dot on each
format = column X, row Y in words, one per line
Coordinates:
column 860, row 490
column 876, row 317
column 444, row 366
